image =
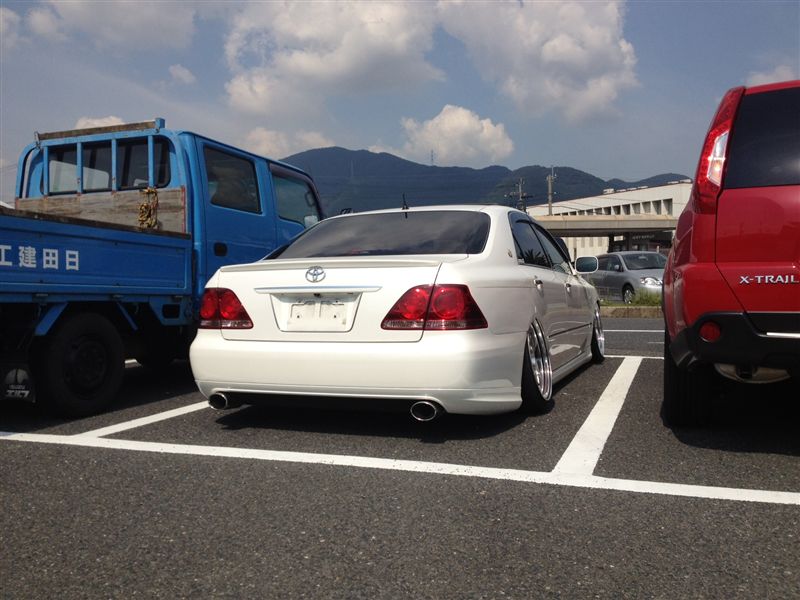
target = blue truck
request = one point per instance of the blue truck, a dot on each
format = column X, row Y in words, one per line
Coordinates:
column 105, row 255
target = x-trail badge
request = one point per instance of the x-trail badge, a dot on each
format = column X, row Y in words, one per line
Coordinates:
column 315, row 274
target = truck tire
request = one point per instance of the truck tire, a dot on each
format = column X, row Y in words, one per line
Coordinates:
column 157, row 354
column 82, row 365
column 686, row 401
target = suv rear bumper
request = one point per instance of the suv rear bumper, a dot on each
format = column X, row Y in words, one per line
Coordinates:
column 741, row 343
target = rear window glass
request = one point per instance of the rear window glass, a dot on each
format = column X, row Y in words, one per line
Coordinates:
column 765, row 142
column 424, row 232
column 132, row 163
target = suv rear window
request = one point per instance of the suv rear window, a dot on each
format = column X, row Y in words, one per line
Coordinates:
column 424, row 232
column 765, row 141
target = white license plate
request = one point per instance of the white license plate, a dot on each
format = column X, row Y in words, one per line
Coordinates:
column 312, row 313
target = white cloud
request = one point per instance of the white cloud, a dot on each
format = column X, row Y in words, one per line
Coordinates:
column 9, row 28
column 86, row 122
column 564, row 56
column 779, row 73
column 44, row 23
column 126, row 24
column 282, row 52
column 181, row 74
column 457, row 136
column 277, row 144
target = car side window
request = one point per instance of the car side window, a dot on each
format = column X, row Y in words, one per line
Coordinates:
column 614, row 264
column 602, row 263
column 529, row 249
column 232, row 181
column 557, row 258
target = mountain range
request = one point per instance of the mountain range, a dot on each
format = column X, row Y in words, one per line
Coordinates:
column 362, row 180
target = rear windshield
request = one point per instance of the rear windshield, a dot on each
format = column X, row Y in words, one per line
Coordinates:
column 424, row 232
column 765, row 142
column 640, row 262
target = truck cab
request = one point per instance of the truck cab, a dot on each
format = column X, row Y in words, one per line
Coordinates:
column 115, row 233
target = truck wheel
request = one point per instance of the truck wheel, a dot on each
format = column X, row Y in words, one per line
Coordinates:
column 157, row 356
column 686, row 401
column 82, row 365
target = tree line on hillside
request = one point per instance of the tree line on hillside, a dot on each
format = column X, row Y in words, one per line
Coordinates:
column 360, row 180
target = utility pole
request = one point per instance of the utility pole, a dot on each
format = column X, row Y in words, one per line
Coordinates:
column 550, row 178
column 521, row 196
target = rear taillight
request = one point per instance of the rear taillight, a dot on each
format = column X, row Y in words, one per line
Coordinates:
column 440, row 307
column 220, row 308
column 711, row 168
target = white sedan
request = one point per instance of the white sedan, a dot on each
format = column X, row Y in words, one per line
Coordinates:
column 462, row 309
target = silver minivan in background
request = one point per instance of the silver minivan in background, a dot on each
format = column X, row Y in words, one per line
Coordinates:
column 621, row 275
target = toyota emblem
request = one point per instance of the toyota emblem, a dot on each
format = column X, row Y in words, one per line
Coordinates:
column 315, row 274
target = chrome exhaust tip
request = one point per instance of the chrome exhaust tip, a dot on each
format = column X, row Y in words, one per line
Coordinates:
column 219, row 401
column 425, row 411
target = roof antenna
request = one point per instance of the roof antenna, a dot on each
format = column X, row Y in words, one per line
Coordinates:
column 405, row 205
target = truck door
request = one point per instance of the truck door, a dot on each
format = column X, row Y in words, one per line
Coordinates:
column 296, row 202
column 239, row 211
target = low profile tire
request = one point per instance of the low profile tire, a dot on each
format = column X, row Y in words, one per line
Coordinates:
column 628, row 294
column 598, row 337
column 537, row 373
column 687, row 401
column 81, row 365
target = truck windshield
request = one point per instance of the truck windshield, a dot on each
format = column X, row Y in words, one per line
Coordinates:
column 396, row 233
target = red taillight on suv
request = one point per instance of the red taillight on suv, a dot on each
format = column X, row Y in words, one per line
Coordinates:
column 220, row 308
column 711, row 168
column 439, row 307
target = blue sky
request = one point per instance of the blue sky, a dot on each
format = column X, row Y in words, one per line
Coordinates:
column 616, row 89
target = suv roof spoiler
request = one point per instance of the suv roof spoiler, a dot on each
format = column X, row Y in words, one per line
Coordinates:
column 156, row 124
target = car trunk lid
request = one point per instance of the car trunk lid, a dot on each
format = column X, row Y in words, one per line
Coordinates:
column 326, row 299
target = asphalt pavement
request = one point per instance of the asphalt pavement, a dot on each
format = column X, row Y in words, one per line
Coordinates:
column 165, row 498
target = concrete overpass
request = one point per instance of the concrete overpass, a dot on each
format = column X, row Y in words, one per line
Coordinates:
column 629, row 219
column 606, row 225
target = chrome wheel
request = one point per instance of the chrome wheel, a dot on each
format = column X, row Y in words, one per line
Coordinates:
column 627, row 294
column 598, row 337
column 540, row 364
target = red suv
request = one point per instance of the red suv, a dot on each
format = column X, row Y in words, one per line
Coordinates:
column 732, row 280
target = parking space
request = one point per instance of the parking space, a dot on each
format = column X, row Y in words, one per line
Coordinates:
column 604, row 431
column 166, row 497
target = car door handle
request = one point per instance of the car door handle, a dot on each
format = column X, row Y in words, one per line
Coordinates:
column 220, row 249
column 569, row 287
column 538, row 283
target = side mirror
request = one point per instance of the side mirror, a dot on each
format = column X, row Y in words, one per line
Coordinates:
column 586, row 264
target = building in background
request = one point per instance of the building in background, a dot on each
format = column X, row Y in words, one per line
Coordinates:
column 629, row 219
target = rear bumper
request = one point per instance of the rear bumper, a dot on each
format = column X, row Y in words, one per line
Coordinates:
column 742, row 343
column 471, row 372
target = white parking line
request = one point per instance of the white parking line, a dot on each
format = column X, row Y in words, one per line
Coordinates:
column 169, row 414
column 560, row 479
column 574, row 469
column 583, row 453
